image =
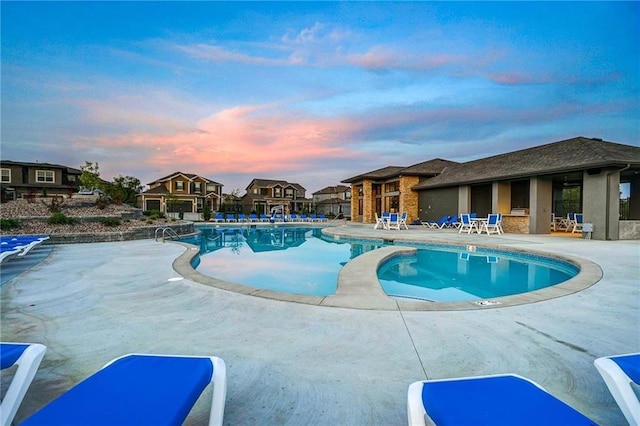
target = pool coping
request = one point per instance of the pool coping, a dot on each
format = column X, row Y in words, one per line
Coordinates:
column 359, row 288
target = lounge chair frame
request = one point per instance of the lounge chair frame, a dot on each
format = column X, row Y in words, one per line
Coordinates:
column 619, row 383
column 28, row 363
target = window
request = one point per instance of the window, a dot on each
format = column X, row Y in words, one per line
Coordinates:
column 197, row 187
column 288, row 192
column 347, row 195
column 277, row 192
column 6, row 175
column 393, row 187
column 44, row 176
column 179, row 185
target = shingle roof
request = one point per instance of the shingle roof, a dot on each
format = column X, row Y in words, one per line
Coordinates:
column 383, row 173
column 266, row 183
column 332, row 190
column 189, row 176
column 426, row 168
column 579, row 153
column 430, row 167
column 27, row 164
column 161, row 189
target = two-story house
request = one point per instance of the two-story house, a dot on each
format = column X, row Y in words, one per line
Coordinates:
column 263, row 195
column 333, row 200
column 181, row 193
column 30, row 180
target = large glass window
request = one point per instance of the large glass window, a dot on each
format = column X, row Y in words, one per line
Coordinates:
column 46, row 176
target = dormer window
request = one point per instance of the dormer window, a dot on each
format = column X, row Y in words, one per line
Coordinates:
column 197, row 187
column 179, row 185
column 277, row 192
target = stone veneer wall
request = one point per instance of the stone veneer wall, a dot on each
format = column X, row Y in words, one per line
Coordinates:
column 515, row 224
column 368, row 212
column 409, row 198
column 141, row 233
column 629, row 230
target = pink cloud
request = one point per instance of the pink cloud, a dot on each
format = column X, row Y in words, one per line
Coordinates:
column 243, row 139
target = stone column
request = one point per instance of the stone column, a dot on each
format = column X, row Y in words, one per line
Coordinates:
column 368, row 202
column 355, row 200
column 409, row 198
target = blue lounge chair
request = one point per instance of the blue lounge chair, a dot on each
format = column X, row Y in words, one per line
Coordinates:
column 488, row 400
column 453, row 222
column 27, row 357
column 218, row 218
column 440, row 223
column 619, row 372
column 230, row 217
column 138, row 389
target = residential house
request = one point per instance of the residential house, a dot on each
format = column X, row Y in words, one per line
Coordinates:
column 181, row 193
column 263, row 195
column 31, row 180
column 599, row 179
column 333, row 200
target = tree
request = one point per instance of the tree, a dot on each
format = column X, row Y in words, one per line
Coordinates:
column 124, row 189
column 90, row 177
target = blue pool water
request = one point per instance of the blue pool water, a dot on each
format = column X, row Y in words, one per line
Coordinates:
column 284, row 259
column 456, row 274
column 301, row 261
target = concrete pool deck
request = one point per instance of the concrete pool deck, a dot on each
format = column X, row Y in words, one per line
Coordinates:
column 295, row 363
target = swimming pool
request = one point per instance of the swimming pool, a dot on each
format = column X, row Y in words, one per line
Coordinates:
column 455, row 274
column 302, row 261
column 286, row 259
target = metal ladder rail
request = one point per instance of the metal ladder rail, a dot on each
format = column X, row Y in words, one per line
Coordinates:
column 166, row 231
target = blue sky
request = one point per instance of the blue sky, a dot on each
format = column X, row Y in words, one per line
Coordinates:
column 308, row 92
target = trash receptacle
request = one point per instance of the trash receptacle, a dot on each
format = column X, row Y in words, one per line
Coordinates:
column 587, row 229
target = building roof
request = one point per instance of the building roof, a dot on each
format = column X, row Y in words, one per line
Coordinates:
column 383, row 173
column 270, row 183
column 161, row 189
column 189, row 176
column 426, row 168
column 332, row 190
column 574, row 154
column 70, row 170
column 334, row 201
column 431, row 167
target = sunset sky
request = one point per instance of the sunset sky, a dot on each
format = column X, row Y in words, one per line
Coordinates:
column 311, row 93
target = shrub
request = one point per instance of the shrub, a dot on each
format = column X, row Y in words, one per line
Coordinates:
column 110, row 221
column 146, row 213
column 102, row 202
column 54, row 205
column 6, row 224
column 60, row 219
